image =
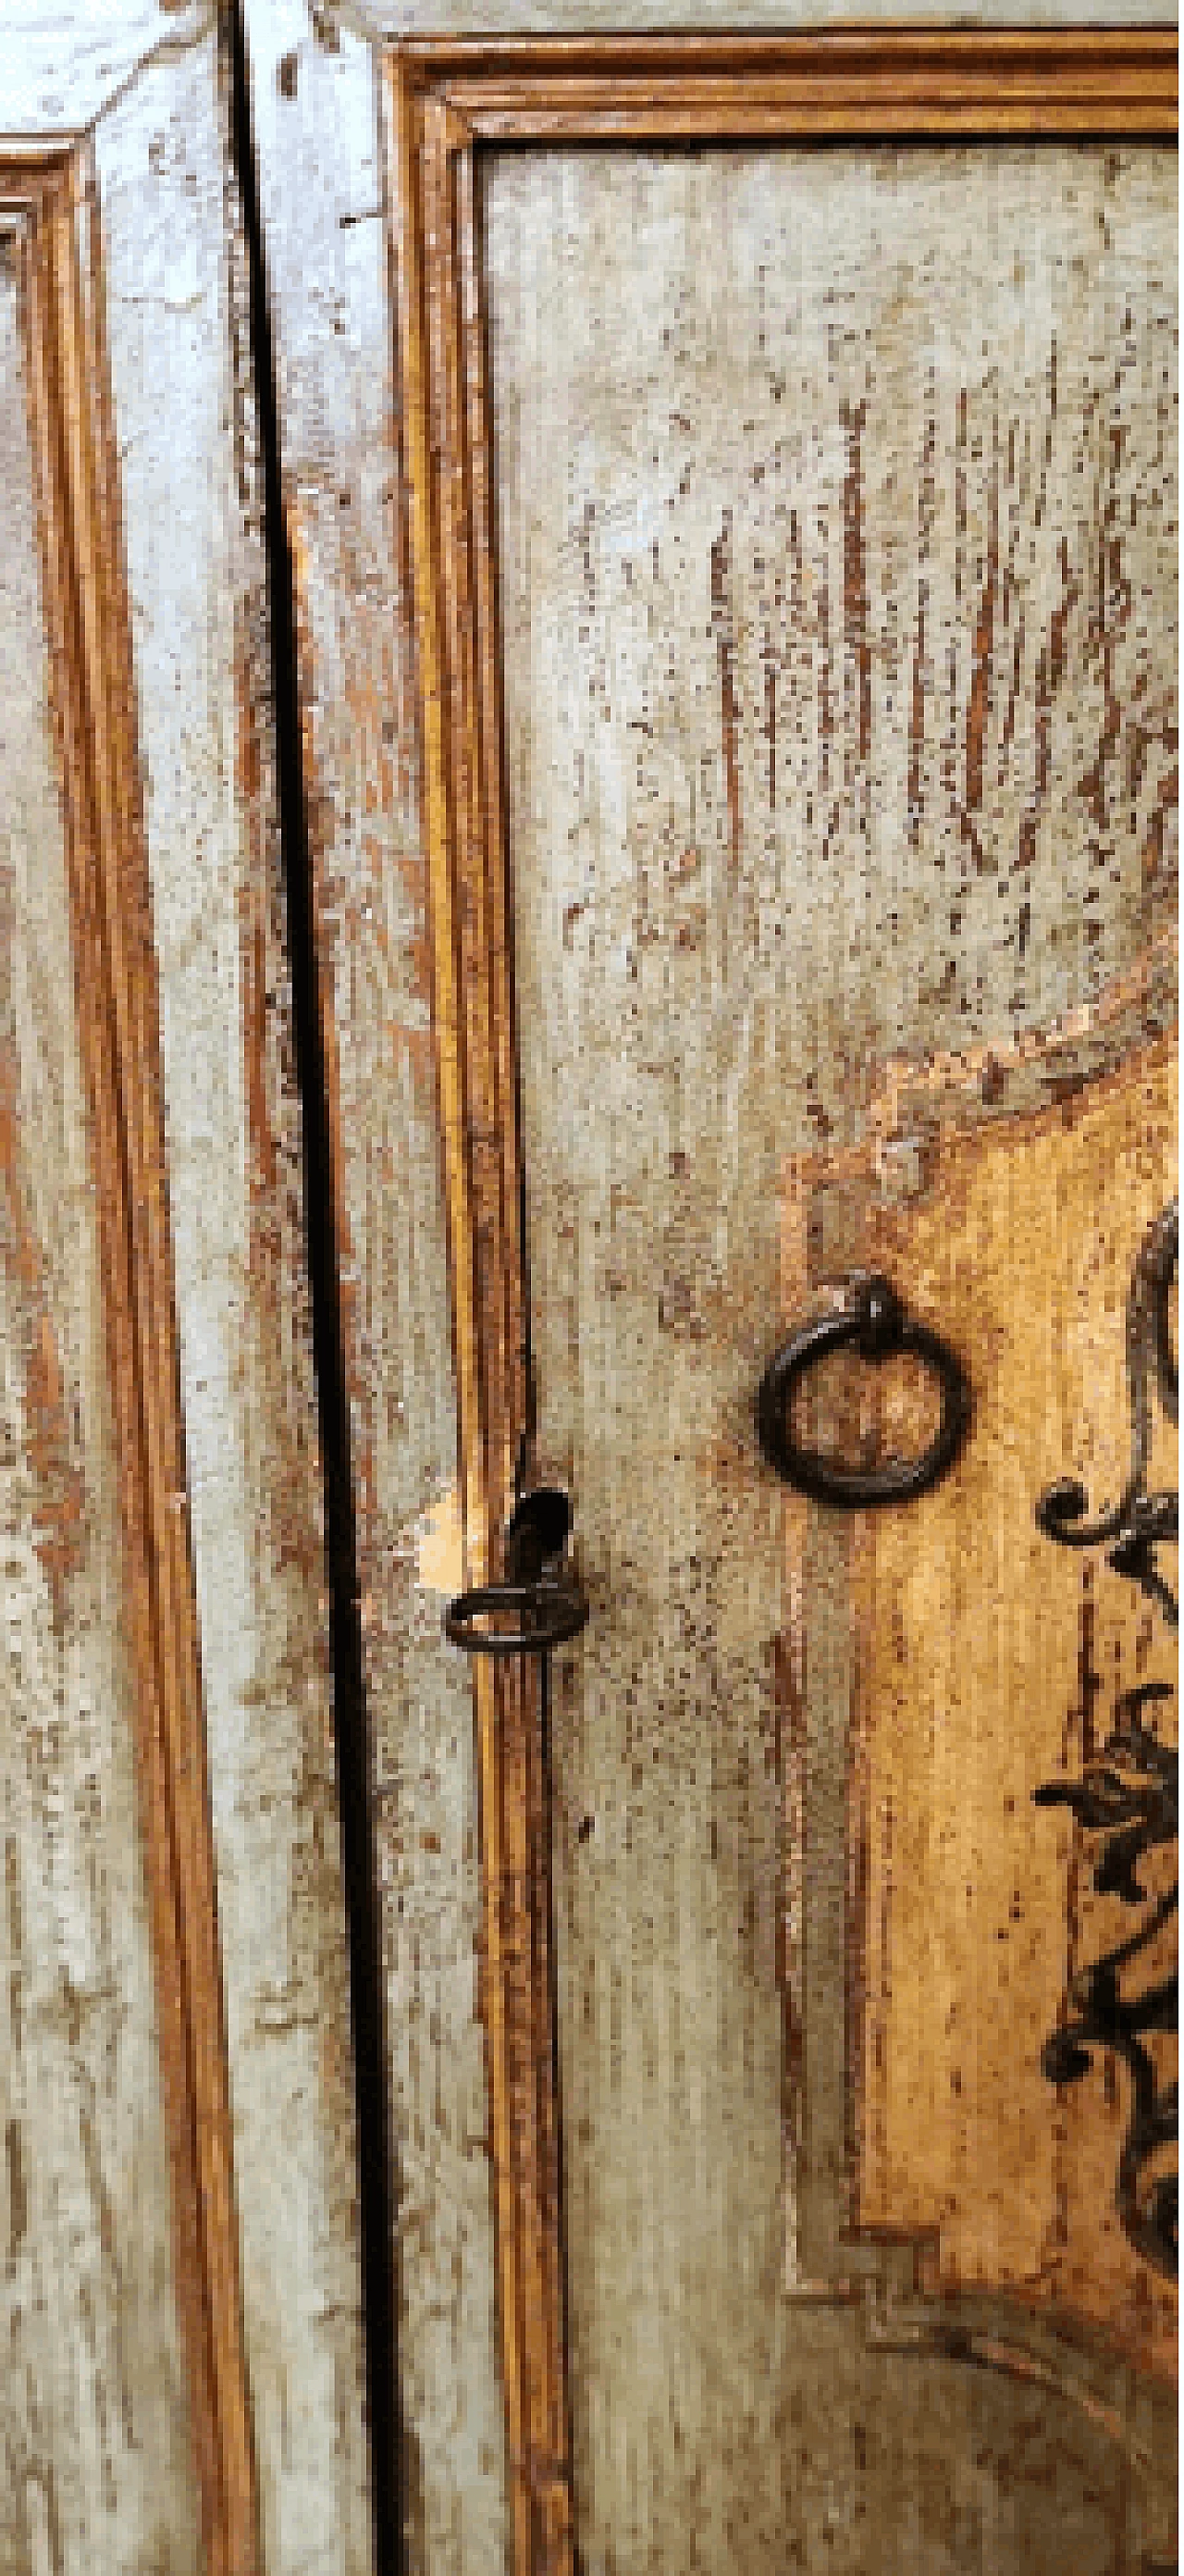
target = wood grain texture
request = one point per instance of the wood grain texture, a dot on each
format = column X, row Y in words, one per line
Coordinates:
column 184, row 403
column 110, row 902
column 322, row 185
column 775, row 814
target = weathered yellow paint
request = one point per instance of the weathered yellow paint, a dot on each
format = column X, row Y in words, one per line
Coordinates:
column 992, row 1661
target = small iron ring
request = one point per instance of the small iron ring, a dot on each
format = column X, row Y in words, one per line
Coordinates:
column 560, row 1611
column 876, row 1322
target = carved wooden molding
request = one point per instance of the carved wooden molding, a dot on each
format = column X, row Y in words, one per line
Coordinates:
column 848, row 84
column 50, row 195
column 443, row 100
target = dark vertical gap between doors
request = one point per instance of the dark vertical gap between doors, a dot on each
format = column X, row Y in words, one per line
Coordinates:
column 375, row 2151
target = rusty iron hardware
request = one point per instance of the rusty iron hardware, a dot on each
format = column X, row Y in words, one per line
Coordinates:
column 1130, row 1794
column 875, row 1321
column 544, row 1605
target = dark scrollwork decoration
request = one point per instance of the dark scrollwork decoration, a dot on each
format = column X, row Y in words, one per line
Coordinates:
column 1130, row 1794
column 1130, row 1797
column 1139, row 1522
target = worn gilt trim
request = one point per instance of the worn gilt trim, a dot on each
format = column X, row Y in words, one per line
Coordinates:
column 443, row 99
column 849, row 84
column 446, row 428
column 93, row 695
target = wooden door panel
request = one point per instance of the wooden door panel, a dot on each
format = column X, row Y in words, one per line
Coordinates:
column 802, row 721
column 184, row 2382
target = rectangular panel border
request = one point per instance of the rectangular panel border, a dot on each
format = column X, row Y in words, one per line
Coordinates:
column 51, row 193
column 443, row 99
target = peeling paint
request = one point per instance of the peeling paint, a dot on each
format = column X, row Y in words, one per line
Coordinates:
column 439, row 1558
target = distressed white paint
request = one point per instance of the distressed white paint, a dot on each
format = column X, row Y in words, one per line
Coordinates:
column 95, row 2466
column 261, row 1628
column 379, row 19
column 753, row 414
column 941, row 2489
column 315, row 114
column 62, row 64
column 196, row 582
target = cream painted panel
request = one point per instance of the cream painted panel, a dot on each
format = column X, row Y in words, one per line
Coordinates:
column 837, row 527
column 95, row 2462
column 191, row 507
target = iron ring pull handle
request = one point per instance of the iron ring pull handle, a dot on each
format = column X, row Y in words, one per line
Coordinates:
column 875, row 1321
column 550, row 1606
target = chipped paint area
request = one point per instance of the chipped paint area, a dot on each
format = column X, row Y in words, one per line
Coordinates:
column 61, row 63
column 440, row 1551
column 839, row 611
column 94, row 2420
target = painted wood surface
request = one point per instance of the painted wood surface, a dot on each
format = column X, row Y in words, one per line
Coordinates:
column 395, row 19
column 838, row 619
column 61, row 65
column 184, row 411
column 170, row 305
column 322, row 185
column 98, row 2466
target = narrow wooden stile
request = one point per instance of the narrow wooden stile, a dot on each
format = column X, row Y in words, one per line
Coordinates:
column 497, row 1201
column 474, row 1265
column 448, row 454
column 118, row 1014
column 414, row 358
